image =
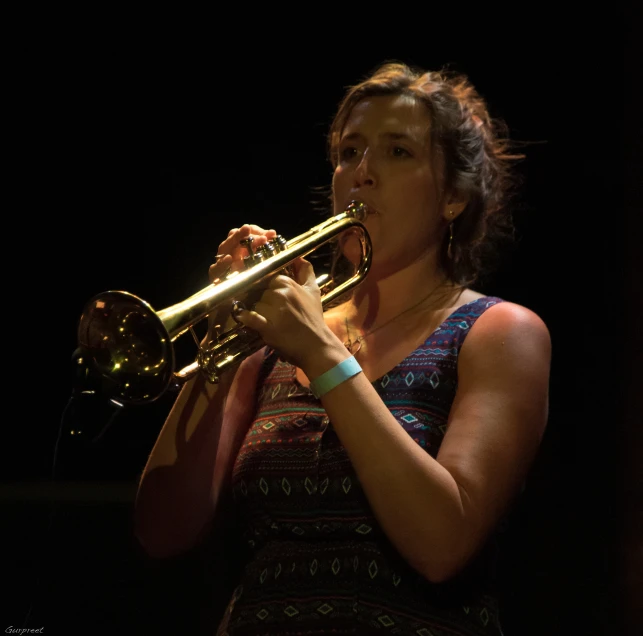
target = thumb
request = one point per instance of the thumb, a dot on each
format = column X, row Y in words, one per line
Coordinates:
column 304, row 274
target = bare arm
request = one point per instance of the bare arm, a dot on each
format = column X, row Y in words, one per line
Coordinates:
column 438, row 513
column 190, row 463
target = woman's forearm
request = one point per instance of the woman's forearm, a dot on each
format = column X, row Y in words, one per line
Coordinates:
column 174, row 502
column 190, row 465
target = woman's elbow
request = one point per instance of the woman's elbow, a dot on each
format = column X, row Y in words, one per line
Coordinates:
column 446, row 564
column 163, row 538
column 438, row 571
column 152, row 549
column 156, row 546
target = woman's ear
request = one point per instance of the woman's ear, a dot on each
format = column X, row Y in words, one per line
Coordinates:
column 453, row 209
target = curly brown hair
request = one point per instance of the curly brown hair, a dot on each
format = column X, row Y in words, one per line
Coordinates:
column 472, row 149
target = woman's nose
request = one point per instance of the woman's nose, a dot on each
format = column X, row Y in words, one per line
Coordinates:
column 364, row 174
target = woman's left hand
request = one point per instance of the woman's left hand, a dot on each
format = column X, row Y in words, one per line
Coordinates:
column 289, row 316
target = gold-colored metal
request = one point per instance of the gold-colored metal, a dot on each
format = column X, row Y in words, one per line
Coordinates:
column 130, row 344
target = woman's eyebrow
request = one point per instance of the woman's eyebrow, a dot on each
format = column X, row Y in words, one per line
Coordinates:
column 395, row 136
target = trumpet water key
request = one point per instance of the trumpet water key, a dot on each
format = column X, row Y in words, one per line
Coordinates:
column 129, row 344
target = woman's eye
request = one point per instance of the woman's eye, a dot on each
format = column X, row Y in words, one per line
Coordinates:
column 398, row 151
column 348, row 152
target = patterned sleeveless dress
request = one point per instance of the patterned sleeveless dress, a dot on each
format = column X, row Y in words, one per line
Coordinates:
column 317, row 560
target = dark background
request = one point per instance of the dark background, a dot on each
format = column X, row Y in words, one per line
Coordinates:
column 135, row 156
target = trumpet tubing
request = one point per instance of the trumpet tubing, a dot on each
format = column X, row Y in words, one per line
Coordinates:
column 130, row 345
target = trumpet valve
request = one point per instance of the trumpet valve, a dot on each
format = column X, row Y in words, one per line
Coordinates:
column 263, row 252
column 247, row 243
column 279, row 243
column 266, row 251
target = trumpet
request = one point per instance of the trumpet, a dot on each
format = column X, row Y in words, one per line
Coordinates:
column 129, row 345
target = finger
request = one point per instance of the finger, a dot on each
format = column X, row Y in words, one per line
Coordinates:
column 260, row 239
column 216, row 270
column 259, row 231
column 252, row 320
column 231, row 242
column 235, row 235
column 258, row 235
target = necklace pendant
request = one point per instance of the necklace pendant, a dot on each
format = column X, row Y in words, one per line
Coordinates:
column 351, row 346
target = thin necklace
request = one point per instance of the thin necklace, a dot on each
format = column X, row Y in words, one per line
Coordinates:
column 349, row 344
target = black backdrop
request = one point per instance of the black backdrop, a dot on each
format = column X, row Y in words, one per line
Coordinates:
column 142, row 158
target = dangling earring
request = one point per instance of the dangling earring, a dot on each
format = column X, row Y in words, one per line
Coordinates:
column 449, row 252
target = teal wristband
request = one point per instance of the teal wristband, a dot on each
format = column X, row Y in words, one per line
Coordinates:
column 333, row 377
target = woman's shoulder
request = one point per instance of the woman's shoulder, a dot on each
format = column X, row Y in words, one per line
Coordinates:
column 507, row 324
column 504, row 311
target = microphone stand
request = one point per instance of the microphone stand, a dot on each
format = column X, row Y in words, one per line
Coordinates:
column 88, row 415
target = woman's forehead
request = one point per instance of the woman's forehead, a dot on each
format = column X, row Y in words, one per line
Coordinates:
column 388, row 114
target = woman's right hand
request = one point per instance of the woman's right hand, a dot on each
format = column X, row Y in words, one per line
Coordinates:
column 230, row 257
column 231, row 253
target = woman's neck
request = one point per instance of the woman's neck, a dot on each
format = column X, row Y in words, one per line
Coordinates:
column 416, row 287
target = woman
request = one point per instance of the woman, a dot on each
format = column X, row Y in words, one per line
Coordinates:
column 370, row 452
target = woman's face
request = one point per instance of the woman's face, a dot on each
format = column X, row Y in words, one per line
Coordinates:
column 384, row 160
